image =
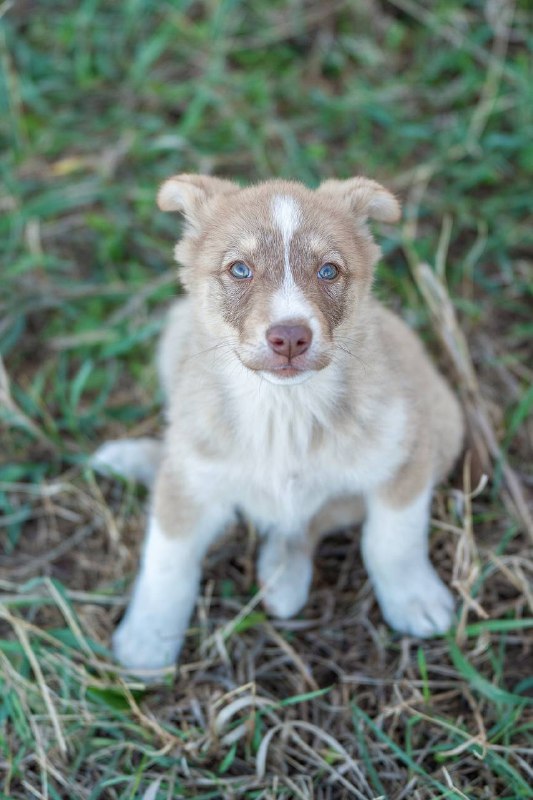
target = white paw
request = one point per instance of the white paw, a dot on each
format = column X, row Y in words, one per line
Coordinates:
column 133, row 459
column 145, row 649
column 285, row 577
column 417, row 603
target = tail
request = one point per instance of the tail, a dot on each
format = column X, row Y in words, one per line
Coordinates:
column 133, row 459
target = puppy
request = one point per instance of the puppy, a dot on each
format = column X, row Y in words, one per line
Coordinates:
column 290, row 392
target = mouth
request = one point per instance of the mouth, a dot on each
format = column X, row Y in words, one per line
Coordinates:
column 286, row 372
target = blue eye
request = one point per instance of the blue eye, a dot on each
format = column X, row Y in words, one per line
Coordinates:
column 240, row 270
column 328, row 272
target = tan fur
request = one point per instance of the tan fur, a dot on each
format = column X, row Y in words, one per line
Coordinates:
column 435, row 423
column 373, row 420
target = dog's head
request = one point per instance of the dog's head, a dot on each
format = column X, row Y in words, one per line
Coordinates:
column 278, row 270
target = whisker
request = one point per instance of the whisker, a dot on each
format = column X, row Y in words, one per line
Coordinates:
column 353, row 355
column 219, row 345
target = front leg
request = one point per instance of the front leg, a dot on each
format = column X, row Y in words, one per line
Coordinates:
column 412, row 597
column 180, row 530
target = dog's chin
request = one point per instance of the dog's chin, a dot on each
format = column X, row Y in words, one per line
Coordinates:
column 286, row 377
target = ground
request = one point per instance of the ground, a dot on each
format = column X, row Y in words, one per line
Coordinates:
column 100, row 102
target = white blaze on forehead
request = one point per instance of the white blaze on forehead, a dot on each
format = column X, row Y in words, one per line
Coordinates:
column 286, row 213
column 289, row 302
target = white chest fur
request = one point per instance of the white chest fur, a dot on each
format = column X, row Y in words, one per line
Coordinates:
column 290, row 457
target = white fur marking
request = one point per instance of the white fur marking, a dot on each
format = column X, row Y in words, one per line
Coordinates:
column 286, row 213
column 290, row 303
column 249, row 243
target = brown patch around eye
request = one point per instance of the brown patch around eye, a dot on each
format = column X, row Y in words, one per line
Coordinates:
column 333, row 300
column 234, row 296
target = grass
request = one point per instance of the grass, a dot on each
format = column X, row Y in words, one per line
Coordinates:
column 101, row 101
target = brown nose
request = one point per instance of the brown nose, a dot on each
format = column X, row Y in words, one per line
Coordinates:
column 289, row 340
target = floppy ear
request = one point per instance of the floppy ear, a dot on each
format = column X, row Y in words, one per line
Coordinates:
column 366, row 198
column 188, row 194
